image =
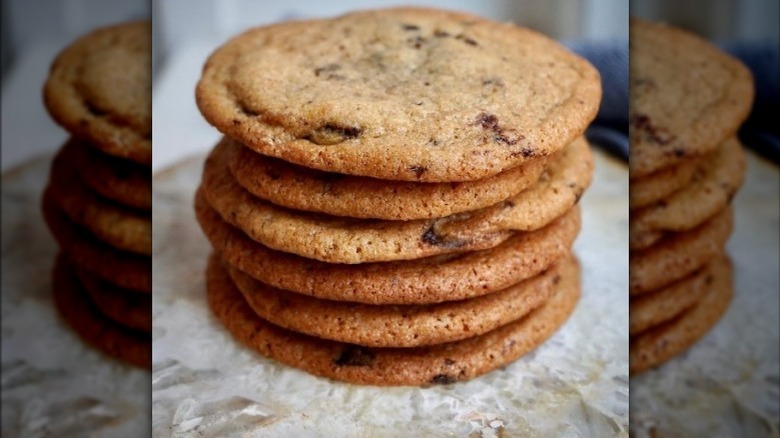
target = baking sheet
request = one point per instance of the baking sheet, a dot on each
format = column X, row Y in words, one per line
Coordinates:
column 203, row 382
column 53, row 384
column 727, row 384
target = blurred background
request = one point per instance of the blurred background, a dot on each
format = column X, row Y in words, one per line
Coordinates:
column 34, row 31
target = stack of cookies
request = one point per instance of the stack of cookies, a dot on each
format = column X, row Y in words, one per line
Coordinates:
column 98, row 200
column 687, row 101
column 394, row 200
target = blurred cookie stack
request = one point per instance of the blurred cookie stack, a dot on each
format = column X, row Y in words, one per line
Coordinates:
column 98, row 200
column 394, row 202
column 688, row 100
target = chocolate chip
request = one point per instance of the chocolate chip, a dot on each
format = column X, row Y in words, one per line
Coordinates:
column 509, row 137
column 498, row 82
column 467, row 40
column 500, row 135
column 679, row 152
column 438, row 33
column 431, row 238
column 332, row 133
column 418, row 170
column 327, row 68
column 653, row 133
column 449, row 362
column 236, row 122
column 433, row 142
column 416, row 42
column 410, row 27
column 487, row 120
column 354, row 355
column 509, row 204
column 556, row 279
column 442, row 379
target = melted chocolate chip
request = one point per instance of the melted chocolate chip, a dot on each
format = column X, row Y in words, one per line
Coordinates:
column 418, row 170
column 354, row 355
column 332, row 133
column 442, row 379
column 410, row 27
column 467, row 40
column 500, row 135
column 487, row 121
column 416, row 42
column 431, row 238
column 326, row 69
column 438, row 33
column 449, row 362
column 497, row 82
column 653, row 133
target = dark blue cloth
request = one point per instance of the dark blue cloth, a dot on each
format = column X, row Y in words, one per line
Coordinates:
column 761, row 131
column 610, row 129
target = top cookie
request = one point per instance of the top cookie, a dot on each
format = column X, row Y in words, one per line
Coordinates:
column 686, row 96
column 399, row 94
column 100, row 89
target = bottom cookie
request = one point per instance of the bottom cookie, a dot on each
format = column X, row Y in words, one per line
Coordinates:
column 659, row 344
column 437, row 364
column 77, row 310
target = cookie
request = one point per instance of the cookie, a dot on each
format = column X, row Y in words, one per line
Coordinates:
column 124, row 269
column 91, row 326
column 404, row 94
column 116, row 179
column 662, row 183
column 129, row 308
column 709, row 192
column 674, row 113
column 301, row 188
column 423, row 281
column 120, row 227
column 651, row 309
column 346, row 240
column 641, row 241
column 437, row 364
column 678, row 254
column 100, row 88
column 659, row 344
column 399, row 326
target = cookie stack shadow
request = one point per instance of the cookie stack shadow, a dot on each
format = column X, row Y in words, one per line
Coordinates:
column 375, row 278
column 97, row 203
column 685, row 169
